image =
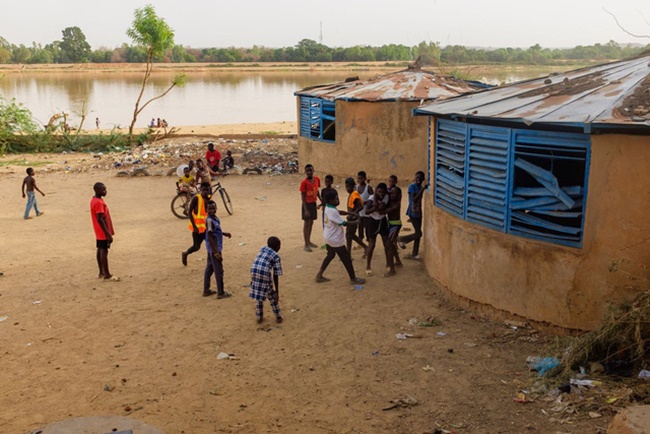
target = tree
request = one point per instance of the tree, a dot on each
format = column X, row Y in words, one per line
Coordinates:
column 14, row 119
column 74, row 47
column 155, row 35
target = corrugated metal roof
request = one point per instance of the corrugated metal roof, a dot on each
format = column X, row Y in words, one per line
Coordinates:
column 612, row 95
column 406, row 85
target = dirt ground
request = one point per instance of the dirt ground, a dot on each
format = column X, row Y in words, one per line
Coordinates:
column 147, row 347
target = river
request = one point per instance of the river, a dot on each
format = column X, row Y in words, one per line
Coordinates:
column 207, row 98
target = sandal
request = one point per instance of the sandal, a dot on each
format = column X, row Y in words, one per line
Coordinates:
column 224, row 295
column 322, row 279
column 209, row 292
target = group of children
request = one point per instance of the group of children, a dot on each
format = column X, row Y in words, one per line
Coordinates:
column 371, row 213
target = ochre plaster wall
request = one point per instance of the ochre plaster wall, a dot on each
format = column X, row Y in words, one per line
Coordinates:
column 382, row 138
column 567, row 287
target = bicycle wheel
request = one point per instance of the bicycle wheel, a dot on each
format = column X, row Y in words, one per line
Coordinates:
column 226, row 200
column 179, row 206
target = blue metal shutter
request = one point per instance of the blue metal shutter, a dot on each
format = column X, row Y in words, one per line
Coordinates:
column 450, row 166
column 550, row 206
column 487, row 176
column 305, row 121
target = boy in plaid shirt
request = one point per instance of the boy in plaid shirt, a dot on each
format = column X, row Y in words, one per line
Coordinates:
column 261, row 286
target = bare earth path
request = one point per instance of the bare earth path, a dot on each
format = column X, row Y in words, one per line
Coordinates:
column 73, row 345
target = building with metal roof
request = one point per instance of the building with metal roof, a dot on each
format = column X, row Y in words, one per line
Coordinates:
column 541, row 194
column 368, row 124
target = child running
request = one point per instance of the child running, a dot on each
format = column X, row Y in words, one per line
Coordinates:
column 214, row 245
column 267, row 261
column 30, row 183
column 335, row 240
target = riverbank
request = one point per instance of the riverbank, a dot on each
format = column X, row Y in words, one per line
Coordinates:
column 379, row 67
column 258, row 129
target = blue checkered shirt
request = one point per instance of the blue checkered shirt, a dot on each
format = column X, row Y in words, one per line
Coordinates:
column 261, row 280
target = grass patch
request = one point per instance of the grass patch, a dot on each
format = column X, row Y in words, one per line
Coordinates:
column 269, row 132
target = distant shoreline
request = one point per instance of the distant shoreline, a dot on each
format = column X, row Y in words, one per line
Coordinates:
column 278, row 67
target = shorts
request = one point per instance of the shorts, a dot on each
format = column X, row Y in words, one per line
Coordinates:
column 103, row 244
column 376, row 227
column 311, row 207
column 393, row 227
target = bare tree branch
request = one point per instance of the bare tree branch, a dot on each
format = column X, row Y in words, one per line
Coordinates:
column 623, row 28
column 643, row 17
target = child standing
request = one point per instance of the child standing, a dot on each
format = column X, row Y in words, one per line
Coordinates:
column 365, row 191
column 309, row 195
column 214, row 245
column 30, row 183
column 355, row 204
column 329, row 180
column 103, row 227
column 267, row 260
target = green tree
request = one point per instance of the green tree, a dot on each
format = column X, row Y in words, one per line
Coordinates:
column 429, row 52
column 74, row 47
column 153, row 33
column 14, row 119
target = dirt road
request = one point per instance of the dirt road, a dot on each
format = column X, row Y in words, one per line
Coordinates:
column 73, row 345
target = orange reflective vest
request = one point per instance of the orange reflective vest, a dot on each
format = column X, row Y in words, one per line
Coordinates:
column 200, row 216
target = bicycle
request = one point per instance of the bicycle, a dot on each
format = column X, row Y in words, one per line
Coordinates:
column 181, row 201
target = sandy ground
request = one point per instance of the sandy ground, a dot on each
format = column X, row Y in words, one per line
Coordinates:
column 73, row 345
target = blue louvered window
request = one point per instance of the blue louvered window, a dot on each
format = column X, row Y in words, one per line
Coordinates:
column 523, row 182
column 317, row 119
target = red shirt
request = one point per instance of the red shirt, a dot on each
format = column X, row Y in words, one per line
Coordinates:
column 213, row 157
column 310, row 188
column 98, row 206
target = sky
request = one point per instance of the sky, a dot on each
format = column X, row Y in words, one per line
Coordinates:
column 283, row 23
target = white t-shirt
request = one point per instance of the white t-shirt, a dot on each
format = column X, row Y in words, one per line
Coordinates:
column 375, row 214
column 333, row 232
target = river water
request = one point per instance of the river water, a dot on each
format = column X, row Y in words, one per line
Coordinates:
column 208, row 98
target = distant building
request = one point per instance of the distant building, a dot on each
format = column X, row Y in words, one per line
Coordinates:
column 540, row 197
column 368, row 124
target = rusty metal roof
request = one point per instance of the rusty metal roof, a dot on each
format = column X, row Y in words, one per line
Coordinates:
column 406, row 85
column 612, row 95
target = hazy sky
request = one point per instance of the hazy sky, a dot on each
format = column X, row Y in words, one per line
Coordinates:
column 281, row 23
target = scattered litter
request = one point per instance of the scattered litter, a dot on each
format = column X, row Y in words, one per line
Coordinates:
column 586, row 383
column 413, row 321
column 403, row 336
column 542, row 365
column 522, row 398
column 298, row 266
column 429, row 322
column 441, row 334
column 406, row 401
column 36, row 302
column 594, row 415
column 358, row 287
column 223, row 356
column 428, row 368
column 242, row 244
column 515, row 324
column 643, row 374
column 262, row 198
column 374, row 353
column 470, row 344
column 3, row 318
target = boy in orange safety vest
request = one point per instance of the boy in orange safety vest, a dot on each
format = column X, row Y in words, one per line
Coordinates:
column 198, row 212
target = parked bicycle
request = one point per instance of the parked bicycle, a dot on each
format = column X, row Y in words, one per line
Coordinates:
column 180, row 202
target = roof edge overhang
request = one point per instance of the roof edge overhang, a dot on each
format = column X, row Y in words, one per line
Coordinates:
column 640, row 128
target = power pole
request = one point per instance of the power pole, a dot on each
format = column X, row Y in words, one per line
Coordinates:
column 320, row 40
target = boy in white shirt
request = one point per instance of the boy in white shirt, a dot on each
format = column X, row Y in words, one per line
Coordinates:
column 335, row 240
